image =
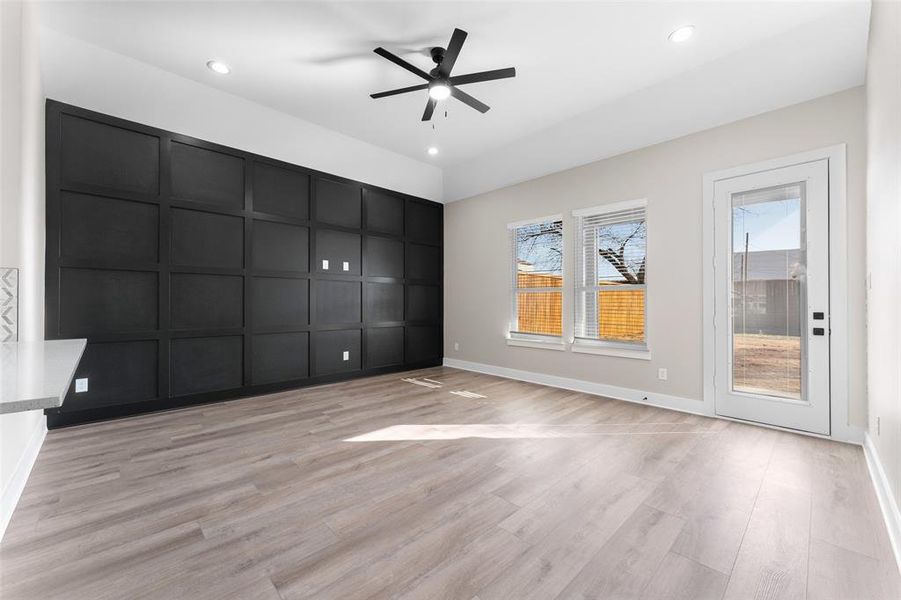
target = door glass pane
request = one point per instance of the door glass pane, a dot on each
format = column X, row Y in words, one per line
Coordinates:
column 768, row 292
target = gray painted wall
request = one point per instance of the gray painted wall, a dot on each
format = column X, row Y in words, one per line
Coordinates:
column 669, row 175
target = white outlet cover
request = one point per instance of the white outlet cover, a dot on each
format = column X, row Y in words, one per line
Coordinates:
column 661, row 374
column 345, row 266
column 456, row 346
column 81, row 385
column 346, row 355
column 325, row 264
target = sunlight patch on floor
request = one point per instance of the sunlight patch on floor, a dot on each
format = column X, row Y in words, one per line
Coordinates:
column 467, row 394
column 423, row 382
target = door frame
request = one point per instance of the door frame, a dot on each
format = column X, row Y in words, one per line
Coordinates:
column 838, row 277
column 810, row 411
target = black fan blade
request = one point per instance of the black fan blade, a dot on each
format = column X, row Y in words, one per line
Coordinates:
column 412, row 88
column 483, row 76
column 402, row 63
column 429, row 109
column 467, row 99
column 452, row 52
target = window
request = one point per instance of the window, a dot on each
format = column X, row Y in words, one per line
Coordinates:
column 537, row 270
column 611, row 279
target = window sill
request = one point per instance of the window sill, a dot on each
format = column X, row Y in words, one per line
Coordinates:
column 550, row 344
column 618, row 351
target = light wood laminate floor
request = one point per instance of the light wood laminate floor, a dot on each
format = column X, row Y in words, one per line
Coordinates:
column 381, row 488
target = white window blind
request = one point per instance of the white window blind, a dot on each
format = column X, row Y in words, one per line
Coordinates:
column 611, row 278
column 537, row 278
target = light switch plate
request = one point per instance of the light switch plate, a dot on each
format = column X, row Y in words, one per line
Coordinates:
column 325, row 264
column 81, row 385
column 346, row 355
column 345, row 266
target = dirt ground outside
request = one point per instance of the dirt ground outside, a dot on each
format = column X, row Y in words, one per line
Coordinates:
column 767, row 364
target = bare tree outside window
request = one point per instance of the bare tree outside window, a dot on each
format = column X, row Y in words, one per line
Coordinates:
column 538, row 279
column 623, row 247
column 539, row 247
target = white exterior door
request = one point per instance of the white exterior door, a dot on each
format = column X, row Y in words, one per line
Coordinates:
column 771, row 313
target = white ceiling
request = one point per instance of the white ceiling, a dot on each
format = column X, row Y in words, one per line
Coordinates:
column 314, row 60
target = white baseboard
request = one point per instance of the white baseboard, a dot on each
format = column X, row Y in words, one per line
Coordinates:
column 849, row 434
column 678, row 403
column 891, row 512
column 13, row 490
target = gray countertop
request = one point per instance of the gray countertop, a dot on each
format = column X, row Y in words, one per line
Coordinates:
column 36, row 375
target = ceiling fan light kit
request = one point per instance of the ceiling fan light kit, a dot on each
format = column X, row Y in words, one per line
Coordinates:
column 439, row 90
column 440, row 83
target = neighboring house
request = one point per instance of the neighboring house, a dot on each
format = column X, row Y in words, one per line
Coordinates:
column 767, row 292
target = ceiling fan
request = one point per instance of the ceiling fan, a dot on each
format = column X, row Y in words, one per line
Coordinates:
column 441, row 84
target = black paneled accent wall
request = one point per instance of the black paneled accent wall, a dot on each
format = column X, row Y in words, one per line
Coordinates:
column 199, row 272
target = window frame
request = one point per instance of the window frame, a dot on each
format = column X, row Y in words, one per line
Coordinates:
column 522, row 338
column 610, row 347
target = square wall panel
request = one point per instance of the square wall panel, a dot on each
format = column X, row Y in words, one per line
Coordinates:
column 281, row 191
column 423, row 302
column 384, row 212
column 206, row 301
column 109, row 157
column 202, row 239
column 107, row 229
column 423, row 262
column 337, row 351
column 385, row 257
column 337, row 302
column 95, row 301
column 338, row 247
column 281, row 247
column 281, row 357
column 280, row 302
column 384, row 302
column 206, row 364
column 204, row 175
column 338, row 203
column 423, row 343
column 424, row 221
column 384, row 346
column 117, row 373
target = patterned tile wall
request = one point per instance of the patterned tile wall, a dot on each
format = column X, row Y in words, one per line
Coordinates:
column 9, row 304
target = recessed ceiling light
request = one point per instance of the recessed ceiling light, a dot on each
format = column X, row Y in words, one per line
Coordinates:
column 217, row 66
column 439, row 91
column 433, row 150
column 681, row 34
